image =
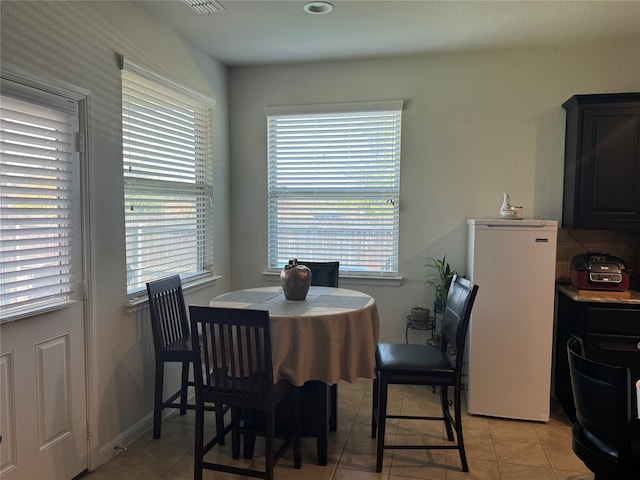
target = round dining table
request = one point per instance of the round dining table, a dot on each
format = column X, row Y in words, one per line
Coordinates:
column 329, row 336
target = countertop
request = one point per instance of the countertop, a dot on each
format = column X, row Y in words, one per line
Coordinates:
column 598, row 296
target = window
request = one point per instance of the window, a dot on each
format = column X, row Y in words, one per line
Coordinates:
column 167, row 150
column 334, row 182
column 40, row 237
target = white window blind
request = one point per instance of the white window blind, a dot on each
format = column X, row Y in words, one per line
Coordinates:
column 39, row 204
column 167, row 150
column 334, row 183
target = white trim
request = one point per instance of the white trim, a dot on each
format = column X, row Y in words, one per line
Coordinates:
column 38, row 311
column 49, row 84
column 129, row 66
column 345, row 168
column 140, row 300
column 378, row 106
column 349, row 279
column 124, row 439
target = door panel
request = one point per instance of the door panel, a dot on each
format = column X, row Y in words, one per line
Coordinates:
column 54, row 390
column 7, row 413
column 43, row 411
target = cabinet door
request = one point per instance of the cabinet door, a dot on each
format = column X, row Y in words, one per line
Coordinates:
column 613, row 336
column 610, row 167
column 602, row 161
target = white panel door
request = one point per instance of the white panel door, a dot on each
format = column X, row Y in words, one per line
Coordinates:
column 43, row 397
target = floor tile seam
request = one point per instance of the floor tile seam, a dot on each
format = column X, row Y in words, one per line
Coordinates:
column 385, row 474
column 561, row 470
column 343, row 447
column 523, row 465
column 510, row 440
column 434, row 466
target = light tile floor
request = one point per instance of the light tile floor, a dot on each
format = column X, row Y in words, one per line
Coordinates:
column 496, row 449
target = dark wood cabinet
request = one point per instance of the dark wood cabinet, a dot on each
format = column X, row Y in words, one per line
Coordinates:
column 602, row 162
column 611, row 334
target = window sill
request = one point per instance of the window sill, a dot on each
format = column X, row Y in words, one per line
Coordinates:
column 350, row 280
column 140, row 300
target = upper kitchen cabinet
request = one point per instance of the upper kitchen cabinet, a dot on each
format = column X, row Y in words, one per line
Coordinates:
column 602, row 161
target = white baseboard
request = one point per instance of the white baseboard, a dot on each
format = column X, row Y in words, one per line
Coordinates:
column 131, row 434
column 126, row 438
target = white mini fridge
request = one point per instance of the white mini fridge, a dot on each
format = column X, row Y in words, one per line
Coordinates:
column 511, row 332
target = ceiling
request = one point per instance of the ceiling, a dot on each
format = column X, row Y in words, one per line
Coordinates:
column 263, row 32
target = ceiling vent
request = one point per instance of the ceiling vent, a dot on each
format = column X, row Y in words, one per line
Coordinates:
column 205, row 6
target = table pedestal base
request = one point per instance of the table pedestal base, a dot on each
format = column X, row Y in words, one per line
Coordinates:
column 314, row 398
column 314, row 410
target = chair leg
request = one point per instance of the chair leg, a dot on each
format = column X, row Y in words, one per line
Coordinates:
column 321, row 446
column 333, row 419
column 249, row 420
column 382, row 420
column 315, row 397
column 458, row 425
column 199, row 441
column 157, row 400
column 297, row 445
column 235, row 432
column 374, row 408
column 184, row 388
column 444, row 400
column 220, row 423
column 270, row 434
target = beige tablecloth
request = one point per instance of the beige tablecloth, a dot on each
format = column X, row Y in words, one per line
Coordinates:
column 329, row 336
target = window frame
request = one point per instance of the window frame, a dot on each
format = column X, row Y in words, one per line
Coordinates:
column 51, row 93
column 388, row 193
column 172, row 182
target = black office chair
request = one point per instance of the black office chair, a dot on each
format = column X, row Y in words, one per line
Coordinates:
column 232, row 366
column 327, row 274
column 172, row 343
column 605, row 437
column 399, row 363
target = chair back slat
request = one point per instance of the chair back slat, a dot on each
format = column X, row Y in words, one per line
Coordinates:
column 235, row 348
column 169, row 321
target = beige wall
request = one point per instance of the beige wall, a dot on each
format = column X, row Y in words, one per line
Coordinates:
column 475, row 125
column 77, row 42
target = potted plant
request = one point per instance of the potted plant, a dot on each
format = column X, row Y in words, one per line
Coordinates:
column 420, row 316
column 439, row 277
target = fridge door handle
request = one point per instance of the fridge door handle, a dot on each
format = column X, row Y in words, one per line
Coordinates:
column 513, row 227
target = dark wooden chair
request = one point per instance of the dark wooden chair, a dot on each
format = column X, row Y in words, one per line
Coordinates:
column 232, row 366
column 399, row 363
column 605, row 436
column 327, row 274
column 172, row 343
column 324, row 274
